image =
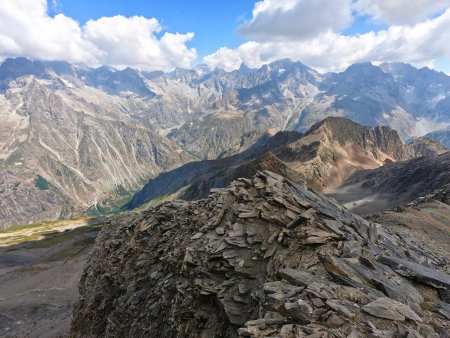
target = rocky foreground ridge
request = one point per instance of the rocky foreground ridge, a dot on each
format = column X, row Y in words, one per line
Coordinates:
column 263, row 257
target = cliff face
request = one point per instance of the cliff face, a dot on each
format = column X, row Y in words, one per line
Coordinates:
column 263, row 257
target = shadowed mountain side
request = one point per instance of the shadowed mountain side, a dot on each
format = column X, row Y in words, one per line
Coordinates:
column 195, row 179
column 324, row 157
column 395, row 184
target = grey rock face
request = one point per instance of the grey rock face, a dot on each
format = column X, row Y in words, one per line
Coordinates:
column 70, row 147
column 390, row 309
column 228, row 265
column 425, row 146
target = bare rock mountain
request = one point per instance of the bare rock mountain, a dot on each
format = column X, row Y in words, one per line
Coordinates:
column 94, row 135
column 336, row 147
column 324, row 157
column 425, row 146
column 65, row 147
column 263, row 257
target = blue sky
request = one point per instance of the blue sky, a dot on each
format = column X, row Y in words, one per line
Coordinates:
column 214, row 22
column 162, row 35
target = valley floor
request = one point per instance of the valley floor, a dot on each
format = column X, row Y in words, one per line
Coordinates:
column 40, row 267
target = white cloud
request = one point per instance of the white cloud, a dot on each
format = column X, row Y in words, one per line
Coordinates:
column 225, row 58
column 401, row 12
column 420, row 44
column 296, row 19
column 26, row 29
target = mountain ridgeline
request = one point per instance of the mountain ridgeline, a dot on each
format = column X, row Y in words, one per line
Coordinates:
column 324, row 157
column 75, row 139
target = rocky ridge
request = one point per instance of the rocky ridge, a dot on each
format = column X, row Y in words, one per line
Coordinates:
column 262, row 258
column 324, row 157
column 425, row 146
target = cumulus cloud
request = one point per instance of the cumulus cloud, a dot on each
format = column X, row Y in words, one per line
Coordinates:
column 331, row 50
column 26, row 29
column 296, row 19
column 122, row 41
column 225, row 58
column 401, row 12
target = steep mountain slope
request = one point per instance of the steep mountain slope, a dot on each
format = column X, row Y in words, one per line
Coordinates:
column 65, row 147
column 407, row 99
column 215, row 109
column 396, row 184
column 288, row 95
column 263, row 257
column 336, row 147
column 194, row 180
column 325, row 156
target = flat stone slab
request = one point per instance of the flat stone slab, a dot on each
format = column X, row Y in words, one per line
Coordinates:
column 388, row 308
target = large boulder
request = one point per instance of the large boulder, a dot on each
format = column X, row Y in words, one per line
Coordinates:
column 262, row 258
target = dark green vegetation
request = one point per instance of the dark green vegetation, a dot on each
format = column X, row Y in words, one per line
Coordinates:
column 41, row 183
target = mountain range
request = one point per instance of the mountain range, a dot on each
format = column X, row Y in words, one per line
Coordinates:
column 324, row 158
column 244, row 195
column 75, row 139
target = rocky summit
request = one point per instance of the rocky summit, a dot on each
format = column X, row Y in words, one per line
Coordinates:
column 263, row 257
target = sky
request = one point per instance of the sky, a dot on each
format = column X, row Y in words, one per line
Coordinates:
column 328, row 35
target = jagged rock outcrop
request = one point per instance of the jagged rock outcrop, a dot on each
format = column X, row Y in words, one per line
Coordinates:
column 262, row 258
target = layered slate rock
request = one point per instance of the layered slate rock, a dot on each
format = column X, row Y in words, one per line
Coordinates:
column 262, row 258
